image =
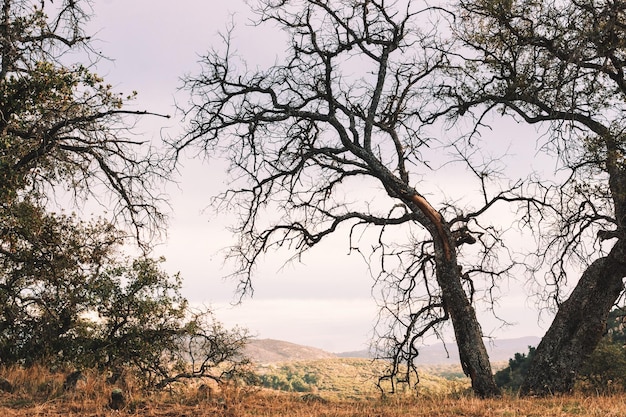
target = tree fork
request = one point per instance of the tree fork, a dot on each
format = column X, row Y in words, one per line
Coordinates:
column 436, row 219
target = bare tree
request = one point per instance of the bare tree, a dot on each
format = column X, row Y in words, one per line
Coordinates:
column 332, row 139
column 62, row 125
column 561, row 64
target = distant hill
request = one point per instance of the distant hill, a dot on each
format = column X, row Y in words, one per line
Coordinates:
column 499, row 350
column 270, row 350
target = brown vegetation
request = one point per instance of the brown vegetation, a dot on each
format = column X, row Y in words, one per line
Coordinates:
column 38, row 392
column 257, row 403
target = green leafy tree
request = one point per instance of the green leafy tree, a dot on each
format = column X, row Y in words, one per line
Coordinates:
column 69, row 300
column 66, row 296
column 604, row 371
column 288, row 378
column 62, row 126
column 145, row 324
column 47, row 264
column 277, row 382
column 139, row 309
column 513, row 375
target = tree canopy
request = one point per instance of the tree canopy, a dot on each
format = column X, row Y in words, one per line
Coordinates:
column 62, row 126
column 560, row 65
column 334, row 138
column 350, row 112
column 338, row 136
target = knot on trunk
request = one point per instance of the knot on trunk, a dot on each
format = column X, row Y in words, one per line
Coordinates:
column 463, row 236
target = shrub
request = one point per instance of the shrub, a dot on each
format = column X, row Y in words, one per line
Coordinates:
column 605, row 370
column 69, row 301
column 511, row 377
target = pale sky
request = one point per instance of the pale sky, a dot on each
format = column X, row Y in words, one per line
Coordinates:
column 324, row 302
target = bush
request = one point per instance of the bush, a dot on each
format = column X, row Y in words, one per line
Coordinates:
column 511, row 377
column 67, row 300
column 288, row 378
column 605, row 370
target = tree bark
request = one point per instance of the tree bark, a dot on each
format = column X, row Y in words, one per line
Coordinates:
column 577, row 327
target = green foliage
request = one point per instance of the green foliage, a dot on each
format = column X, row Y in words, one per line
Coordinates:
column 512, row 376
column 68, row 300
column 289, row 378
column 47, row 265
column 62, row 126
column 615, row 326
column 603, row 372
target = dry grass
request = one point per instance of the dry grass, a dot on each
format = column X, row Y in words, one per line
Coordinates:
column 263, row 404
column 40, row 393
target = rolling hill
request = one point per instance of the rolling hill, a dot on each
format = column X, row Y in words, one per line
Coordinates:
column 274, row 351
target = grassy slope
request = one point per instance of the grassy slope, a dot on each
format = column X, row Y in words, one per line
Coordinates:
column 351, row 378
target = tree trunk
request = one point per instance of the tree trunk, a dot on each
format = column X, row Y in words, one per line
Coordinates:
column 469, row 337
column 577, row 327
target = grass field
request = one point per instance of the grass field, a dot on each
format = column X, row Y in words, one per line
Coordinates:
column 39, row 393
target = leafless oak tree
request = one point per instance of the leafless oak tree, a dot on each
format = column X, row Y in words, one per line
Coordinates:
column 342, row 118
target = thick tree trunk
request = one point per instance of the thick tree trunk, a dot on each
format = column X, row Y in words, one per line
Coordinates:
column 577, row 327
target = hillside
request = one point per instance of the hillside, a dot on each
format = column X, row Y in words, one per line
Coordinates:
column 288, row 366
column 272, row 351
column 352, row 378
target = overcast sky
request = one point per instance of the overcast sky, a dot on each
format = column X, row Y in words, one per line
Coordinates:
column 326, row 301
